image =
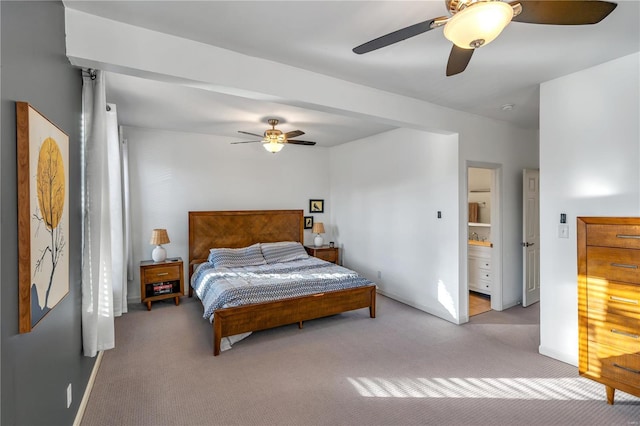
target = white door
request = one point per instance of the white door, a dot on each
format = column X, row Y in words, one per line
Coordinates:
column 530, row 237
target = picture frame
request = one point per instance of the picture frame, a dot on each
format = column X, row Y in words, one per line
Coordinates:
column 316, row 206
column 43, row 215
column 308, row 222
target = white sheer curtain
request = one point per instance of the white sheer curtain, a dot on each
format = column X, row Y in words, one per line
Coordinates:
column 104, row 283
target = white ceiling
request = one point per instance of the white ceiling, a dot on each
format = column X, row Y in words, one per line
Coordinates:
column 319, row 36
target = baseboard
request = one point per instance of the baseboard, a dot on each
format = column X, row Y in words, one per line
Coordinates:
column 87, row 391
column 546, row 351
column 440, row 313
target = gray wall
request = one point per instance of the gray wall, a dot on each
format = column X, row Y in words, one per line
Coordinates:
column 38, row 366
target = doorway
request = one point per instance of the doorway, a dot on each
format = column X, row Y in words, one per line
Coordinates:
column 483, row 237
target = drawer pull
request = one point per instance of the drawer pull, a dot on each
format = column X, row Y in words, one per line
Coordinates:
column 160, row 274
column 631, row 370
column 637, row 237
column 624, row 265
column 623, row 300
column 624, row 333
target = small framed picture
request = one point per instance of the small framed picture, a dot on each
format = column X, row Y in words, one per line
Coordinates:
column 308, row 222
column 316, row 206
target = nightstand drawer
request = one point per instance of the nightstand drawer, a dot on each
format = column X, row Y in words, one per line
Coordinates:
column 330, row 254
column 162, row 273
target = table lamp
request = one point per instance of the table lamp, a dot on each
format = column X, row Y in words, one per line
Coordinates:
column 159, row 237
column 318, row 228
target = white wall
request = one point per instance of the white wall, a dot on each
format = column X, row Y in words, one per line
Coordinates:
column 589, row 166
column 174, row 173
column 383, row 186
column 385, row 192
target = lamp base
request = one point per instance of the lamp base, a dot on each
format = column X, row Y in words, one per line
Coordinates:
column 318, row 241
column 159, row 254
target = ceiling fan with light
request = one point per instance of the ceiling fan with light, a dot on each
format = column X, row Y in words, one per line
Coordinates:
column 476, row 23
column 274, row 140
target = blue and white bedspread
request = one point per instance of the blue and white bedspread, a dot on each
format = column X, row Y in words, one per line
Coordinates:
column 226, row 287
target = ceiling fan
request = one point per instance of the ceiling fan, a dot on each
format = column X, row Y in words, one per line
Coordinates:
column 273, row 139
column 475, row 23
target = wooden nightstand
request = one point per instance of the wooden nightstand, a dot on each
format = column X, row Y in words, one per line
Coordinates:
column 330, row 254
column 161, row 280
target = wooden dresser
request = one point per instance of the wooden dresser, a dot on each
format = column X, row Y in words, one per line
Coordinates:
column 609, row 302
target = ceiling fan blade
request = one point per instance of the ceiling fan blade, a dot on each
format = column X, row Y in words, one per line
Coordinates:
column 293, row 134
column 575, row 12
column 458, row 60
column 396, row 36
column 298, row 142
column 251, row 134
column 233, row 143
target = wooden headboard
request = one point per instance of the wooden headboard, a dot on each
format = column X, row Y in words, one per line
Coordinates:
column 234, row 229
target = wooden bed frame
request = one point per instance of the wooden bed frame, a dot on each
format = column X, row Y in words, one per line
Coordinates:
column 235, row 229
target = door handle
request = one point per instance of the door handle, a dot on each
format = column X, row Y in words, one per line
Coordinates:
column 527, row 244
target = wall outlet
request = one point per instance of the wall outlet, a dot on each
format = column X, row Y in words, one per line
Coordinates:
column 379, row 275
column 69, row 395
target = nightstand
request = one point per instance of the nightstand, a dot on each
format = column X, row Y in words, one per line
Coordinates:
column 330, row 254
column 161, row 280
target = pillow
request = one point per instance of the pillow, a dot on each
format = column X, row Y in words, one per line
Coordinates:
column 284, row 251
column 246, row 256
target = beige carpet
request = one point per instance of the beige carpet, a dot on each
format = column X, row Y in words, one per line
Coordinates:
column 404, row 367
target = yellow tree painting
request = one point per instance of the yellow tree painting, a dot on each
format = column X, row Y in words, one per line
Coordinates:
column 43, row 215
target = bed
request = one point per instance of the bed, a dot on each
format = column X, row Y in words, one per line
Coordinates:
column 238, row 229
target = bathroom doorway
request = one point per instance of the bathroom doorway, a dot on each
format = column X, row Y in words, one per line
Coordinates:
column 481, row 279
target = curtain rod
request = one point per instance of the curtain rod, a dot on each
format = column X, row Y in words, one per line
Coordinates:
column 90, row 72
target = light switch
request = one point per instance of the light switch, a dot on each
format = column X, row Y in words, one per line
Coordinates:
column 563, row 231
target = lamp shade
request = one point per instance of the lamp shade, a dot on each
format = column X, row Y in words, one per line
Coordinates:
column 478, row 24
column 273, row 147
column 318, row 228
column 159, row 236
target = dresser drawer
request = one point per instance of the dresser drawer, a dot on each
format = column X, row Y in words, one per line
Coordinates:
column 613, row 297
column 484, row 264
column 614, row 330
column 162, row 273
column 623, row 236
column 615, row 364
column 613, row 264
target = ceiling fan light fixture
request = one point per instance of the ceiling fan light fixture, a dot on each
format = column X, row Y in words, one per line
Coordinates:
column 272, row 146
column 478, row 24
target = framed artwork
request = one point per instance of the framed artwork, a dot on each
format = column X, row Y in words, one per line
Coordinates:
column 43, row 215
column 308, row 222
column 316, row 206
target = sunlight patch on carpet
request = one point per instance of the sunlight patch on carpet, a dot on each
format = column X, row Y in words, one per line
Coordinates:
column 557, row 389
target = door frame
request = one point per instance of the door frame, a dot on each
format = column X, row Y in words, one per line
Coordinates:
column 496, row 236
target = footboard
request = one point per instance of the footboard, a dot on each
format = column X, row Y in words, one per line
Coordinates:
column 261, row 316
